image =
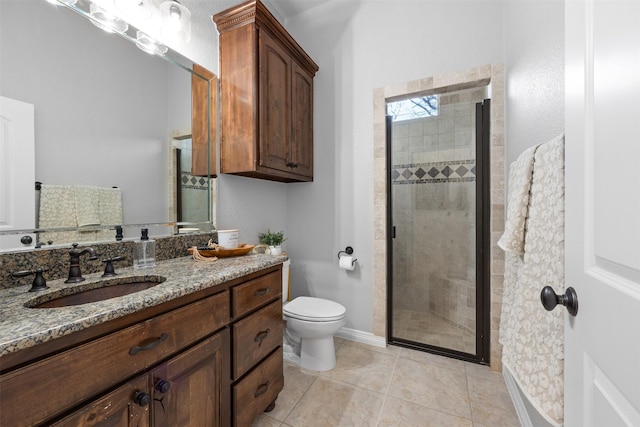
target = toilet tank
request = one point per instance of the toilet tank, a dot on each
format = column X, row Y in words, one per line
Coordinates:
column 285, row 280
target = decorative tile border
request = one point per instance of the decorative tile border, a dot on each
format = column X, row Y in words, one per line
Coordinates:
column 193, row 182
column 436, row 172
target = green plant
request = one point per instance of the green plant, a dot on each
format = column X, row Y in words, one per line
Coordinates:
column 272, row 239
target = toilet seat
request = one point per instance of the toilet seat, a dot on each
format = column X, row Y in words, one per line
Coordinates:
column 314, row 309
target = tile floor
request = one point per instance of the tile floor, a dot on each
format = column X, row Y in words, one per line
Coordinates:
column 391, row 386
column 428, row 328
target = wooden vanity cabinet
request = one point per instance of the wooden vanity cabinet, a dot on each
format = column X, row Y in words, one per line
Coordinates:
column 256, row 342
column 266, row 83
column 187, row 390
column 169, row 365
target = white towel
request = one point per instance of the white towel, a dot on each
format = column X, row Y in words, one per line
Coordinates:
column 520, row 175
column 533, row 338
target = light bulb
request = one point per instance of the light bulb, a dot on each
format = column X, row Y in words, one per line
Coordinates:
column 149, row 44
column 176, row 21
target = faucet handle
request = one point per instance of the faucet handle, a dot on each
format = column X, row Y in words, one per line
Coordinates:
column 39, row 282
column 108, row 267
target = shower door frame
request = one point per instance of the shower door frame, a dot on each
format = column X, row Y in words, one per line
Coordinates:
column 483, row 239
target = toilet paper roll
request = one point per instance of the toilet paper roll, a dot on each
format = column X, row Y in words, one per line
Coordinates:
column 347, row 262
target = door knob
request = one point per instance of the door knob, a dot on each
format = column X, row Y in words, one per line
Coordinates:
column 550, row 299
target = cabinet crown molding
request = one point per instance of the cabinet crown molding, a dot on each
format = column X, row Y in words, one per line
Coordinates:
column 257, row 13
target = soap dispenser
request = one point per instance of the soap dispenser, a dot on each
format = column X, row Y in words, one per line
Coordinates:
column 144, row 252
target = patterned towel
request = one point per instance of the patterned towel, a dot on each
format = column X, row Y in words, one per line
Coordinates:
column 520, row 175
column 87, row 205
column 533, row 338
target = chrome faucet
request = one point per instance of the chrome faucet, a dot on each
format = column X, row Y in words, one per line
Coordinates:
column 75, row 275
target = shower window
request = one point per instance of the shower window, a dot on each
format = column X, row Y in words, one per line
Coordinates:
column 413, row 108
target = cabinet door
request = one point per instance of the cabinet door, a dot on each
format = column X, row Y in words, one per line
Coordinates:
column 275, row 96
column 302, row 122
column 192, row 388
column 126, row 406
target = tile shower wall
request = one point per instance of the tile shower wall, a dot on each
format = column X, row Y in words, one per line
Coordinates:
column 433, row 187
column 195, row 195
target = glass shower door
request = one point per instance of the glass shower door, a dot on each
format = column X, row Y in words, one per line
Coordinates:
column 434, row 223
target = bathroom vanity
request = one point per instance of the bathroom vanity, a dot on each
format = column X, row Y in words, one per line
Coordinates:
column 202, row 348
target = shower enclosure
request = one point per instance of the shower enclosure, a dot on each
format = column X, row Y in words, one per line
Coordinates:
column 438, row 177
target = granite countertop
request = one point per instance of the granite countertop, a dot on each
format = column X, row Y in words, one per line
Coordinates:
column 23, row 327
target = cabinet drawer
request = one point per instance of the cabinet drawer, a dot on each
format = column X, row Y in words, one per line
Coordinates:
column 77, row 374
column 256, row 391
column 254, row 293
column 256, row 336
column 115, row 409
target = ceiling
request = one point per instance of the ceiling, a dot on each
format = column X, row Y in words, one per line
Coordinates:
column 289, row 8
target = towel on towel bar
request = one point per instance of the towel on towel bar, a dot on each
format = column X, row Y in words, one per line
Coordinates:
column 520, row 173
column 87, row 205
column 110, row 211
column 533, row 338
column 58, row 210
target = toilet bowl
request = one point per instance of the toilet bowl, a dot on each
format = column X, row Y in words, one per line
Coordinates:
column 310, row 325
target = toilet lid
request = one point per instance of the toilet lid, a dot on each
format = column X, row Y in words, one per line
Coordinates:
column 314, row 309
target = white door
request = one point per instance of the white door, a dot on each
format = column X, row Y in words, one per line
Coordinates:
column 602, row 349
column 17, row 171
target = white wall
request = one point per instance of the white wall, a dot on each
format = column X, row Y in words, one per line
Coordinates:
column 102, row 125
column 251, row 205
column 366, row 45
column 534, row 70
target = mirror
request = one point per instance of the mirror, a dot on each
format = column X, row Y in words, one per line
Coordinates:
column 106, row 114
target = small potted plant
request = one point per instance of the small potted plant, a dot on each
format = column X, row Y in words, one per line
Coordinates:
column 273, row 241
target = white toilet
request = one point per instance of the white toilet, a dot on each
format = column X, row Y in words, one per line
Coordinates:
column 309, row 327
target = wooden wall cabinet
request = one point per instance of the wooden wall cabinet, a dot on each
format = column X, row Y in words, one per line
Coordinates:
column 209, row 359
column 266, row 91
column 204, row 121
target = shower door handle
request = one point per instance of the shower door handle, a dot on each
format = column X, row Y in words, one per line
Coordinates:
column 550, row 299
column 393, row 232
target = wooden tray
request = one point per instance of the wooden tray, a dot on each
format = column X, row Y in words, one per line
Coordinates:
column 243, row 249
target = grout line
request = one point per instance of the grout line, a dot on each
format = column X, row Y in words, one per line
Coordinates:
column 386, row 392
column 315, row 377
column 466, row 378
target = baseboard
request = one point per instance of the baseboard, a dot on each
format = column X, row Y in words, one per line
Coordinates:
column 362, row 337
column 516, row 398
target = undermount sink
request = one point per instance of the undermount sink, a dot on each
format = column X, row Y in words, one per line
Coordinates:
column 97, row 291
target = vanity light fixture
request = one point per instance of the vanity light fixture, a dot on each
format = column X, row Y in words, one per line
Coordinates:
column 149, row 44
column 103, row 17
column 67, row 2
column 176, row 21
column 136, row 9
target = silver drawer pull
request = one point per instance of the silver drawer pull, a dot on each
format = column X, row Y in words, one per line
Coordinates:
column 153, row 344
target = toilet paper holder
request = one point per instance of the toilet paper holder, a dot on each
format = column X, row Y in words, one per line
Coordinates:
column 349, row 251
